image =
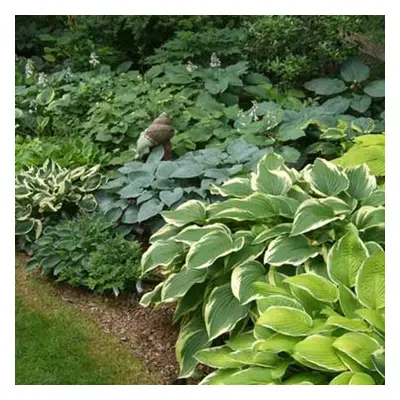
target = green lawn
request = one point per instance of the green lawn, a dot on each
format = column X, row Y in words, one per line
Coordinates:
column 57, row 345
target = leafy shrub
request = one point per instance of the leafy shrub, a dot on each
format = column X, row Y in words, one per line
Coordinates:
column 87, row 252
column 44, row 192
column 223, row 261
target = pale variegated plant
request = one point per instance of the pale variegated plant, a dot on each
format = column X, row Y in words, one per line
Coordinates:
column 288, row 271
column 43, row 191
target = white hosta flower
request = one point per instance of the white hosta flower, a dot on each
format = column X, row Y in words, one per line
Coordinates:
column 93, row 60
column 68, row 74
column 191, row 67
column 29, row 68
column 215, row 62
column 42, row 79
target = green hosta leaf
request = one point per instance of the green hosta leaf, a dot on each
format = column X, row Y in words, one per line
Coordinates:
column 319, row 350
column 270, row 177
column 345, row 259
column 191, row 211
column 177, row 285
column 161, row 254
column 325, row 86
column 361, row 183
column 320, row 288
column 152, row 297
column 312, row 214
column 236, row 187
column 277, row 300
column 218, row 357
column 354, row 70
column 326, row 178
column 352, row 378
column 241, row 341
column 378, row 359
column 348, row 301
column 285, row 320
column 278, row 343
column 192, row 234
column 50, row 262
column 46, row 96
column 357, row 346
column 192, row 338
column 212, row 246
column 223, row 311
column 289, row 250
column 373, row 317
column 24, row 227
column 348, row 324
column 360, row 103
column 376, row 88
column 370, row 282
column 171, row 197
column 242, row 279
column 271, row 233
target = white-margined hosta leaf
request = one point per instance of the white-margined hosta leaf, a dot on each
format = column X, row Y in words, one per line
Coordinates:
column 88, row 203
column 254, row 357
column 352, row 378
column 192, row 234
column 190, row 301
column 152, row 297
column 24, row 227
column 243, row 278
column 218, row 357
column 338, row 206
column 361, row 182
column 378, row 359
column 370, row 282
column 376, row 199
column 373, row 247
column 236, row 187
column 271, row 233
column 326, row 178
column 368, row 217
column 166, row 232
column 191, row 211
column 223, row 311
column 289, row 250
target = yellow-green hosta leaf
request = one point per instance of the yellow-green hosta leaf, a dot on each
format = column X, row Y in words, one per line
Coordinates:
column 191, row 211
column 319, row 350
column 277, row 300
column 352, row 378
column 312, row 378
column 243, row 278
column 212, row 246
column 285, row 320
column 177, row 285
column 326, row 178
column 270, row 177
column 223, row 311
column 264, row 289
column 192, row 234
column 348, row 301
column 152, row 297
column 361, row 182
column 357, row 346
column 317, row 286
column 218, row 357
column 161, row 253
column 278, row 343
column 374, row 317
column 370, row 282
column 252, row 357
column 236, row 187
column 271, row 233
column 262, row 333
column 354, row 325
column 289, row 250
column 217, row 377
column 242, row 341
column 378, row 359
column 249, row 376
column 311, row 215
column 345, row 259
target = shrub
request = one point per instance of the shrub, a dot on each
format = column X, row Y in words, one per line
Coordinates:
column 223, row 261
column 87, row 252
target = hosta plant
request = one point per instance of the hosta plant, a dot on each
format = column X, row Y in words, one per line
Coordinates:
column 46, row 191
column 87, row 252
column 293, row 241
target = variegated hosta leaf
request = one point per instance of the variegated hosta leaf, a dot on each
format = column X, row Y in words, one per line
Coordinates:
column 289, row 250
column 326, row 178
column 311, row 215
column 24, row 227
column 368, row 217
column 22, row 192
column 223, row 311
column 318, row 350
column 361, row 182
column 378, row 359
column 92, row 183
column 88, row 203
column 357, row 346
column 236, row 187
column 166, row 232
column 376, row 199
column 353, row 325
column 370, row 282
column 218, row 357
column 212, row 246
column 152, row 297
column 317, row 286
column 191, row 211
column 270, row 177
column 23, row 212
column 373, row 247
column 190, row 301
column 161, row 254
column 271, row 233
column 276, row 300
column 242, row 279
column 193, row 233
column 254, row 357
column 352, row 378
column 345, row 259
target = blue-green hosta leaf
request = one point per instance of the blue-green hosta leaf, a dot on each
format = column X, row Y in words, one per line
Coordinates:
column 212, row 246
column 152, row 297
column 193, row 233
column 289, row 154
column 376, row 88
column 218, row 357
column 361, row 183
column 317, row 286
column 191, row 211
column 188, row 170
column 149, row 209
column 370, row 282
column 243, row 278
column 161, row 254
column 326, row 178
column 270, row 177
column 146, row 195
column 236, row 187
column 289, row 250
column 360, row 103
column 378, row 359
column 336, row 105
column 358, row 346
column 177, row 285
column 165, row 169
column 325, row 86
column 286, row 320
column 271, row 233
column 312, row 214
column 345, row 259
column 352, row 378
column 130, row 215
column 367, row 217
column 114, row 214
column 223, row 311
column 171, row 197
column 24, row 227
column 276, row 300
column 354, row 70
column 318, row 350
column 131, row 191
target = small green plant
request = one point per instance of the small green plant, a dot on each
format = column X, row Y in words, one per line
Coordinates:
column 278, row 227
column 87, row 252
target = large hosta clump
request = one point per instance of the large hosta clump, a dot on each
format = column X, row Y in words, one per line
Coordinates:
column 288, row 272
column 50, row 189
